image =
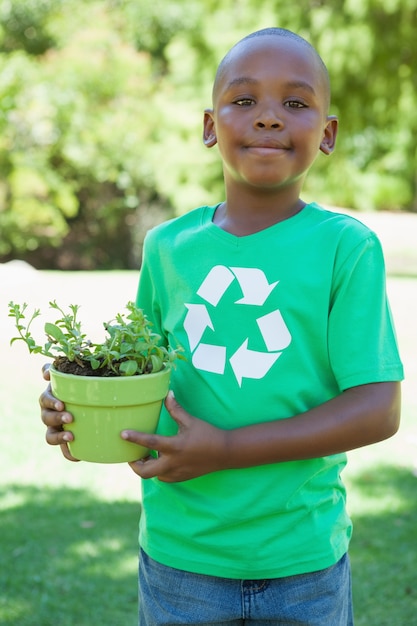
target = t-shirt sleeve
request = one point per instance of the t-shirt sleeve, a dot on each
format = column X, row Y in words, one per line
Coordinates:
column 362, row 342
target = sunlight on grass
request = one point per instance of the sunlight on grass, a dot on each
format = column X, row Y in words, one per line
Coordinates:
column 383, row 548
column 63, row 566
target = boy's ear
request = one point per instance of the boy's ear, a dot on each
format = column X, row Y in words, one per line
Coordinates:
column 328, row 142
column 209, row 133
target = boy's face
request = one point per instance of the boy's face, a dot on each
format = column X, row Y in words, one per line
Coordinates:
column 269, row 116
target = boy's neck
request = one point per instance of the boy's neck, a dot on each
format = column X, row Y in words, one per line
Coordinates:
column 252, row 214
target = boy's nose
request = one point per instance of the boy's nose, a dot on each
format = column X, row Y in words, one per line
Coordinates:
column 268, row 119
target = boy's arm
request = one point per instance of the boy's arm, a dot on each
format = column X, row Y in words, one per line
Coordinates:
column 358, row 417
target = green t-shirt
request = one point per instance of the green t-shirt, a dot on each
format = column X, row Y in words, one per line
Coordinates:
column 273, row 324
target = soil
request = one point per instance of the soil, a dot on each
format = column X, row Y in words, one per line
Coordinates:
column 82, row 368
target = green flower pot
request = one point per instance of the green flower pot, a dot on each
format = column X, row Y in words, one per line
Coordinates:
column 103, row 407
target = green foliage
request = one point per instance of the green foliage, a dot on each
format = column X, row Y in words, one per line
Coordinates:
column 131, row 348
column 70, row 146
column 101, row 105
column 24, row 25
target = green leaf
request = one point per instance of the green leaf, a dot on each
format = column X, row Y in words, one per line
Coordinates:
column 128, row 368
column 157, row 363
column 54, row 331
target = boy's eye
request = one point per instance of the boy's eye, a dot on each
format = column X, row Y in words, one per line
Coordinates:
column 295, row 104
column 244, row 102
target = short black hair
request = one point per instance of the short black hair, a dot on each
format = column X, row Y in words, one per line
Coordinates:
column 277, row 32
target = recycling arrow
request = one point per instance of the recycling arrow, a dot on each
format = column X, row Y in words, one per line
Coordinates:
column 196, row 322
column 210, row 358
column 254, row 285
column 215, row 284
column 250, row 363
column 252, row 281
column 274, row 331
column 244, row 362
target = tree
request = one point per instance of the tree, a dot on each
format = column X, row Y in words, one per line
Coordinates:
column 101, row 105
column 74, row 123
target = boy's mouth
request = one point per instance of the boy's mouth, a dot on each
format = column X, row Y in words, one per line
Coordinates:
column 267, row 144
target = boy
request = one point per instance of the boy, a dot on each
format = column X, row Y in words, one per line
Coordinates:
column 291, row 361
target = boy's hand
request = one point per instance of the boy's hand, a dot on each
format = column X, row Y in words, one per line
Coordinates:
column 197, row 449
column 53, row 415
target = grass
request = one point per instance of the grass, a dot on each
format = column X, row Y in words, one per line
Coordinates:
column 69, row 558
column 383, row 550
column 68, row 541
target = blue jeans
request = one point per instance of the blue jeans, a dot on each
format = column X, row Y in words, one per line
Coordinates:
column 170, row 596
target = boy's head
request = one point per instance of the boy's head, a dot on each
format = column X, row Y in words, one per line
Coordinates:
column 270, row 111
column 276, row 32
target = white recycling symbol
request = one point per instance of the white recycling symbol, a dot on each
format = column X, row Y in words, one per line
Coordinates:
column 245, row 363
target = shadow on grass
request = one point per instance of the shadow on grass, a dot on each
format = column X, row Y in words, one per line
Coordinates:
column 384, row 546
column 67, row 559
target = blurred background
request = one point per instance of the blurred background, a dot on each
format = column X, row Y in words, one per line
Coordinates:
column 101, row 107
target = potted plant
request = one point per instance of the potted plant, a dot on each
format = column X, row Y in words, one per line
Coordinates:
column 108, row 387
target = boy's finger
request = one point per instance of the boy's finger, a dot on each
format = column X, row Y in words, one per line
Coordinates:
column 57, row 437
column 151, row 441
column 60, row 438
column 67, row 454
column 145, row 468
column 48, row 401
column 55, row 419
column 45, row 371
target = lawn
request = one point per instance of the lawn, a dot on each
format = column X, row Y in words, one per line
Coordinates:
column 68, row 542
